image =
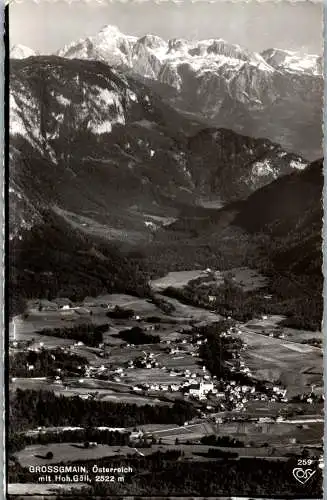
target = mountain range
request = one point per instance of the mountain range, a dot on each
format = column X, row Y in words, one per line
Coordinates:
column 142, row 143
column 276, row 94
column 102, row 146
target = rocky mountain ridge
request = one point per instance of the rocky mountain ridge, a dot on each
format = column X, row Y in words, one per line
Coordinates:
column 94, row 142
column 277, row 94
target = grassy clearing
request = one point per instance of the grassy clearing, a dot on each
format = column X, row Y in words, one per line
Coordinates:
column 25, row 490
column 272, row 324
column 186, row 312
column 272, row 359
column 139, row 306
column 116, row 393
column 176, row 279
column 248, row 279
column 67, row 452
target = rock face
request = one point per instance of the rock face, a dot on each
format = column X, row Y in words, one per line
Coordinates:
column 277, row 94
column 91, row 141
column 290, row 212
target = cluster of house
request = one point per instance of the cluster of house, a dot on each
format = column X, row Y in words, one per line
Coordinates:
column 59, row 304
column 148, row 360
column 92, row 371
column 199, row 390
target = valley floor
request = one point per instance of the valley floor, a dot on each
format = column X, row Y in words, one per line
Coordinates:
column 276, row 414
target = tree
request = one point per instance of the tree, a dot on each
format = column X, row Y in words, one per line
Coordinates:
column 49, row 455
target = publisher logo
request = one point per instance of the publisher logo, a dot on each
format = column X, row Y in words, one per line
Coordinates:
column 303, row 475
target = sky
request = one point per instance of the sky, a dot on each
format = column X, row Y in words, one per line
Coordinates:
column 47, row 26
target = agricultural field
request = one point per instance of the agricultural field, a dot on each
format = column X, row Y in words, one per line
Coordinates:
column 248, row 279
column 30, row 383
column 187, row 313
column 252, row 434
column 297, row 366
column 300, row 336
column 68, row 452
column 261, row 409
column 91, row 388
column 71, row 452
column 153, row 376
column 176, row 279
column 266, row 323
column 272, row 325
column 27, row 328
column 139, row 306
column 100, row 228
column 26, row 490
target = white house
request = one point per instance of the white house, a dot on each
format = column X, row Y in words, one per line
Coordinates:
column 206, row 387
column 136, row 435
column 194, row 390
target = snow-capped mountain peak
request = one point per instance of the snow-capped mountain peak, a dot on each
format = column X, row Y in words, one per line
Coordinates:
column 292, row 61
column 109, row 45
column 110, row 30
column 150, row 55
column 21, row 52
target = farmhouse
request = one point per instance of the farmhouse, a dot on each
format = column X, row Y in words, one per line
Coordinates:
column 206, row 387
column 62, row 302
column 136, row 435
column 200, row 390
column 93, row 444
column 46, row 305
column 84, row 396
column 194, row 390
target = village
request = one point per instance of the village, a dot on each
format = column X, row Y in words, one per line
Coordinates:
column 168, row 370
column 153, row 358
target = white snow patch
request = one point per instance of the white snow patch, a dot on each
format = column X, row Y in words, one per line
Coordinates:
column 13, row 191
column 305, row 64
column 105, row 96
column 262, row 168
column 102, row 128
column 150, row 225
column 298, row 164
column 63, row 100
column 16, row 123
column 59, row 117
column 132, row 96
